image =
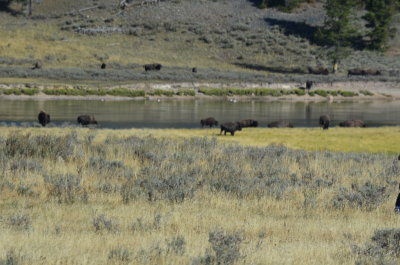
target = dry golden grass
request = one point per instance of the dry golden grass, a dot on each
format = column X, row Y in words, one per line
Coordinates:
column 275, row 230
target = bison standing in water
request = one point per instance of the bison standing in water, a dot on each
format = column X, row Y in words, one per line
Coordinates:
column 43, row 118
column 248, row 123
column 211, row 121
column 86, row 120
column 352, row 123
column 280, row 124
column 231, row 127
column 324, row 121
column 151, row 67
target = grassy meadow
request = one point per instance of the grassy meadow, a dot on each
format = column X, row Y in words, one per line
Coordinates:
column 264, row 196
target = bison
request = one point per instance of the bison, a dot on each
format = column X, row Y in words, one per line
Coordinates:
column 355, row 71
column 247, row 123
column 86, row 120
column 318, row 70
column 352, row 123
column 309, row 84
column 43, row 118
column 231, row 127
column 372, row 72
column 209, row 122
column 324, row 121
column 103, row 66
column 280, row 124
column 152, row 67
column 194, row 70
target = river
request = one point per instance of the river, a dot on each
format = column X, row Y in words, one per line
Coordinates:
column 173, row 113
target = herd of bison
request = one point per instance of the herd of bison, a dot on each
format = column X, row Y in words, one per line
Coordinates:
column 230, row 127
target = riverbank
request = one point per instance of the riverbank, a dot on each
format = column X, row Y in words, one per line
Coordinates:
column 337, row 91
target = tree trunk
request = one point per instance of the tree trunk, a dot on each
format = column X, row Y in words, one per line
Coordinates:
column 30, row 8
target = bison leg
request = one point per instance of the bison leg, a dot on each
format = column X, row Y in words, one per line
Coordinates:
column 232, row 133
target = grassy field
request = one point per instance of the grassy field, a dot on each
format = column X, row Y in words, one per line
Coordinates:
column 264, row 196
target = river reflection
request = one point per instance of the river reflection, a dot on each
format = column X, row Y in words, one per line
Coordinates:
column 188, row 113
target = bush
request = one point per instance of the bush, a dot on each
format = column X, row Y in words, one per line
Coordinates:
column 120, row 254
column 102, row 223
column 65, row 188
column 368, row 196
column 20, row 221
column 177, row 245
column 224, row 248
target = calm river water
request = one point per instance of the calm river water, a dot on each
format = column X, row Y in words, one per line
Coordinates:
column 188, row 113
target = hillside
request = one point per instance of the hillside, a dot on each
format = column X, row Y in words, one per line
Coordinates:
column 225, row 40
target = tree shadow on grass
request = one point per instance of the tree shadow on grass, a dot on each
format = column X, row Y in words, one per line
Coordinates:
column 4, row 7
column 273, row 69
column 300, row 29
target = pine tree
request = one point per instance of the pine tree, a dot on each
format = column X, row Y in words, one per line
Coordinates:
column 379, row 17
column 338, row 30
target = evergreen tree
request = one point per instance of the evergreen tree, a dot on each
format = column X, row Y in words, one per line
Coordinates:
column 338, row 31
column 379, row 17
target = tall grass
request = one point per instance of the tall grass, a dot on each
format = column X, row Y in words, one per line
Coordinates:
column 164, row 197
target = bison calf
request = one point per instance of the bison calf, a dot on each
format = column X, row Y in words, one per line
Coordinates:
column 43, row 118
column 86, row 120
column 211, row 121
column 231, row 127
column 324, row 121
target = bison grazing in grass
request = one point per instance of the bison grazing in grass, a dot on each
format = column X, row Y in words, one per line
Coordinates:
column 152, row 67
column 209, row 122
column 248, row 123
column 43, row 118
column 352, row 123
column 86, row 120
column 318, row 70
column 324, row 121
column 231, row 127
column 280, row 124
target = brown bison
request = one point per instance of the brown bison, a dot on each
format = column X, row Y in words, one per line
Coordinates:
column 318, row 70
column 355, row 71
column 231, row 127
column 211, row 121
column 280, row 124
column 43, row 118
column 372, row 72
column 86, row 120
column 324, row 121
column 152, row 67
column 247, row 123
column 352, row 123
